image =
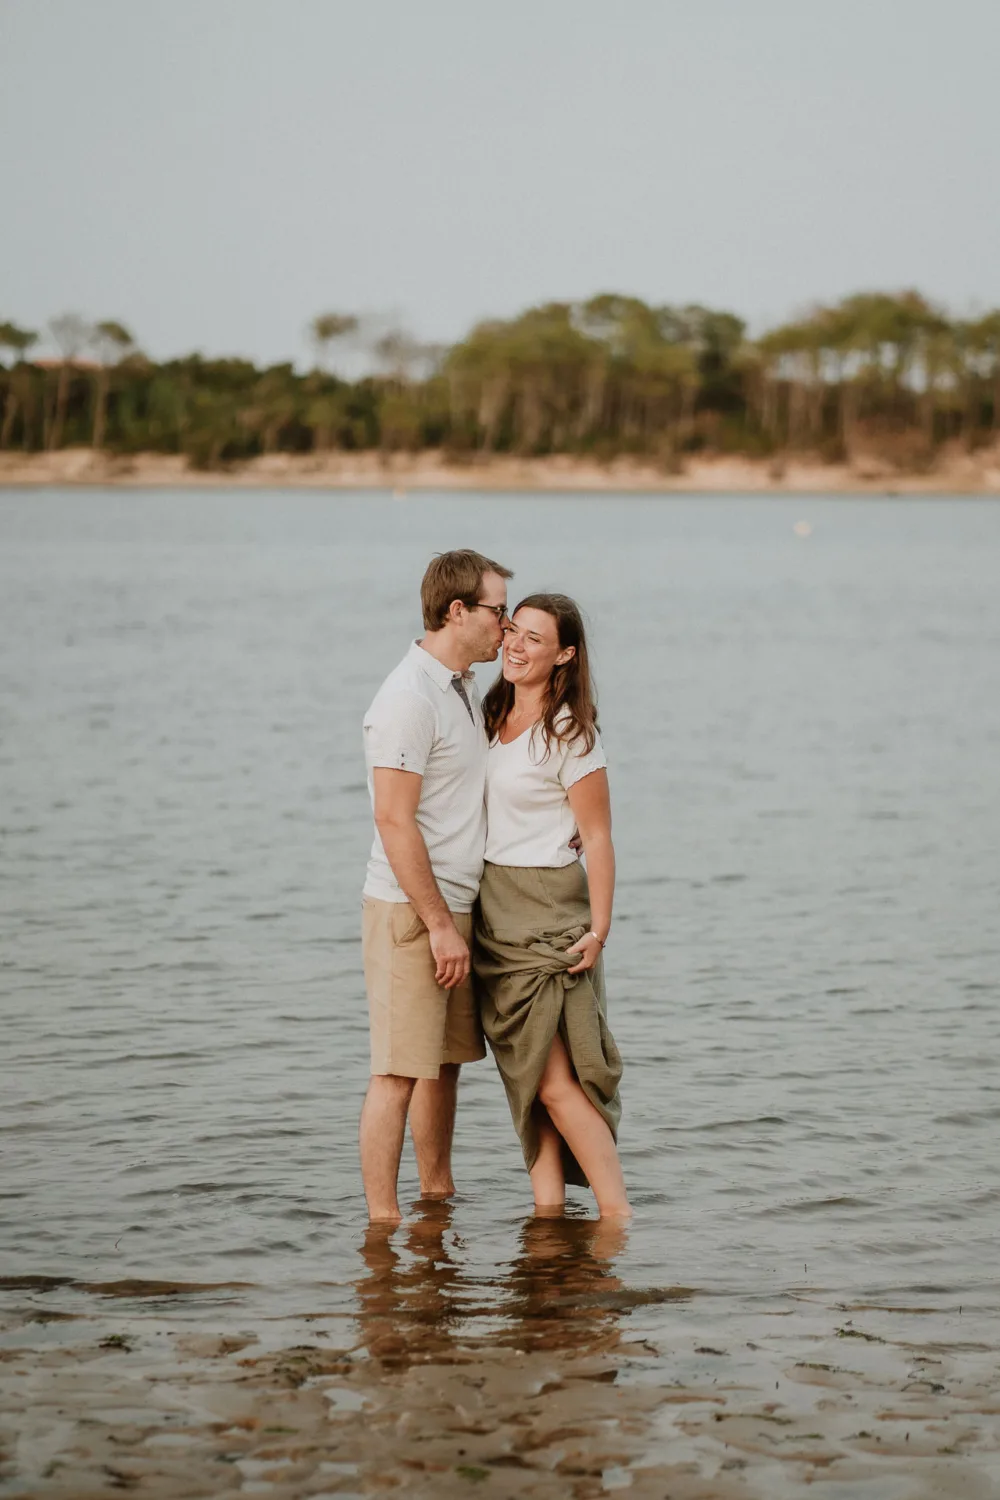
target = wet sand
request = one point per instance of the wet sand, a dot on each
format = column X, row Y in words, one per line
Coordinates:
column 566, row 1390
column 954, row 472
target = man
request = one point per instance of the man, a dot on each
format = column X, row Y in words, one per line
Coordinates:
column 425, row 749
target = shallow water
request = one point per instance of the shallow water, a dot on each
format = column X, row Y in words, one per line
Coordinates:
column 804, row 736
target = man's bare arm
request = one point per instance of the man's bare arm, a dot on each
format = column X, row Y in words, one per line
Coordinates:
column 397, row 797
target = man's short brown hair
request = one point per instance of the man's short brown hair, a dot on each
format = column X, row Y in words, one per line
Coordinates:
column 451, row 576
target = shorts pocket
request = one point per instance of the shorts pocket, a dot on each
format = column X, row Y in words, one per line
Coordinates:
column 406, row 925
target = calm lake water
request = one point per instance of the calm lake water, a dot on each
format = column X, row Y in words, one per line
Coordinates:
column 804, row 974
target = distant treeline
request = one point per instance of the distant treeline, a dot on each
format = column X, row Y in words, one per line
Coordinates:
column 878, row 372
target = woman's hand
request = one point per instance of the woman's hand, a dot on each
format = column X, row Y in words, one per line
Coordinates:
column 589, row 948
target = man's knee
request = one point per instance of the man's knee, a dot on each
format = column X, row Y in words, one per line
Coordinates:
column 388, row 1086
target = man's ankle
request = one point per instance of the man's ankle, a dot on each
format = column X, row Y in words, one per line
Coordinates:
column 439, row 1187
column 384, row 1213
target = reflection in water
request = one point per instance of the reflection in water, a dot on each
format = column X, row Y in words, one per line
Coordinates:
column 408, row 1303
column 417, row 1302
column 560, row 1288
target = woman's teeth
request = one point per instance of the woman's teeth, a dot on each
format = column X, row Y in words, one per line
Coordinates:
column 517, row 661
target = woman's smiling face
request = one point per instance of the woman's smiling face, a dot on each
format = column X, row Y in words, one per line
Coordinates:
column 531, row 649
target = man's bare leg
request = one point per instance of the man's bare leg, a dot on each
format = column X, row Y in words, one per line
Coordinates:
column 432, row 1126
column 383, row 1126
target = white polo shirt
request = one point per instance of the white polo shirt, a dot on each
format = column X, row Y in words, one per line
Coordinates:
column 419, row 722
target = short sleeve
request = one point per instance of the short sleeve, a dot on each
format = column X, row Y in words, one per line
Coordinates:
column 578, row 762
column 399, row 732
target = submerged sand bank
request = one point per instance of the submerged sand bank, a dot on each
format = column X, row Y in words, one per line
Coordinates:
column 956, row 473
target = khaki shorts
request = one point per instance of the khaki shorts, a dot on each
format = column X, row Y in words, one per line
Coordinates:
column 415, row 1024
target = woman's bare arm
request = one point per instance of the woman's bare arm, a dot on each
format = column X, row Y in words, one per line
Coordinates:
column 590, row 799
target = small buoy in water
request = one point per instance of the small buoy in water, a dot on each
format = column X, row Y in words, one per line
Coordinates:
column 399, row 494
column 802, row 528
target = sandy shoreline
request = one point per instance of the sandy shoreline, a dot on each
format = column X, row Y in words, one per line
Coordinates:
column 956, row 473
column 579, row 1391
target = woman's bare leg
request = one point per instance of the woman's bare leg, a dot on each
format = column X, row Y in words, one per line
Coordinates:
column 547, row 1180
column 584, row 1131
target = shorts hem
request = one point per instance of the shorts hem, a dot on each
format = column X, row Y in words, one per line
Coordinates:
column 416, row 1073
column 467, row 1057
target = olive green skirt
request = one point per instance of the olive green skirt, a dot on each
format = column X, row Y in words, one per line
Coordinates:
column 526, row 919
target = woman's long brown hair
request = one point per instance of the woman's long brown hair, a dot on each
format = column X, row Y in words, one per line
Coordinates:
column 570, row 692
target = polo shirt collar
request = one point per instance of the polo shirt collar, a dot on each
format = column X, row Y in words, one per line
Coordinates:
column 436, row 670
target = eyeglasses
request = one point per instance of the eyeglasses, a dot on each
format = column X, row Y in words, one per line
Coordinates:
column 500, row 610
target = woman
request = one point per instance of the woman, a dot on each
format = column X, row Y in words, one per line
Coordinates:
column 540, row 928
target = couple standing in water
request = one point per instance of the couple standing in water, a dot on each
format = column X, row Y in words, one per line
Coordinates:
column 478, row 916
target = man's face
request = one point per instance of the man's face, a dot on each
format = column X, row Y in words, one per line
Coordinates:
column 483, row 630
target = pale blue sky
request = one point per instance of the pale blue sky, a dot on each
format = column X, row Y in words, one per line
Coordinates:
column 215, row 172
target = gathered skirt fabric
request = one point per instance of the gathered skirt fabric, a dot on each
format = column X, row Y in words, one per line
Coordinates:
column 526, row 919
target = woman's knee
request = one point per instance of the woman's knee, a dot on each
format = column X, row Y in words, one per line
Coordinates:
column 555, row 1090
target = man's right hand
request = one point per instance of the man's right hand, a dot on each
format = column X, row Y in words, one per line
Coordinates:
column 451, row 955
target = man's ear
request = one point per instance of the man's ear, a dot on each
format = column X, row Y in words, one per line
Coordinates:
column 455, row 611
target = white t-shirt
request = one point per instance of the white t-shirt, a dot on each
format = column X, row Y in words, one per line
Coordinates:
column 418, row 722
column 528, row 817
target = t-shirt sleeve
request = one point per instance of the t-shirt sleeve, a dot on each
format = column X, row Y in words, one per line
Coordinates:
column 399, row 731
column 578, row 762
